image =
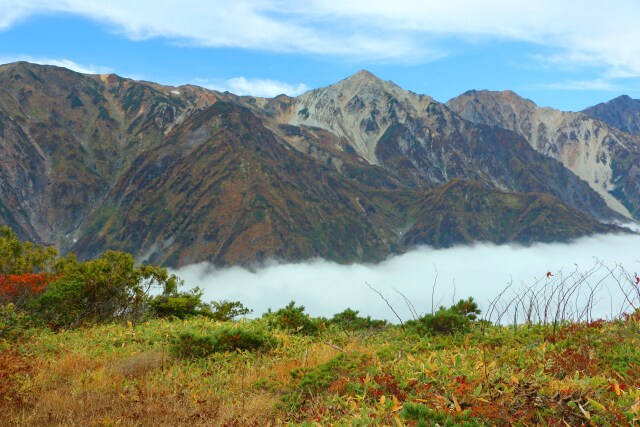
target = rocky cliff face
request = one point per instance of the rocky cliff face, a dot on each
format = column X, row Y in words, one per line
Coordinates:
column 622, row 113
column 425, row 144
column 603, row 156
column 354, row 171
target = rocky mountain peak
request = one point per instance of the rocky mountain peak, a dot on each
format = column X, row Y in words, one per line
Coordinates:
column 591, row 147
column 364, row 74
column 622, row 112
column 358, row 110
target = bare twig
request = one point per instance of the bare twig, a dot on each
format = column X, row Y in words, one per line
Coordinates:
column 332, row 346
column 386, row 302
column 412, row 309
column 433, row 288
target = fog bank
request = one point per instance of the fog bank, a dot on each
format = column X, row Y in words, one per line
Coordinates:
column 481, row 271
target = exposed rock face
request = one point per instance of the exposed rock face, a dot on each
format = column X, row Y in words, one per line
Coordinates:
column 622, row 113
column 354, row 171
column 603, row 156
column 360, row 109
column 425, row 144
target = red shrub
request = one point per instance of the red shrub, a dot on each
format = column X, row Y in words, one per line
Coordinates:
column 17, row 288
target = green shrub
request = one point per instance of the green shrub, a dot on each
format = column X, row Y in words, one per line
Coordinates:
column 349, row 367
column 467, row 307
column 18, row 257
column 225, row 339
column 228, row 310
column 349, row 320
column 179, row 304
column 189, row 345
column 13, row 322
column 294, row 319
column 108, row 288
column 63, row 304
column 426, row 416
column 455, row 319
column 237, row 338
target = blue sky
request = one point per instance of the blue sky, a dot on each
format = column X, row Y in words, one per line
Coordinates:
column 566, row 54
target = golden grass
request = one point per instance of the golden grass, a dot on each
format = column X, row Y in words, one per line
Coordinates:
column 68, row 387
column 113, row 375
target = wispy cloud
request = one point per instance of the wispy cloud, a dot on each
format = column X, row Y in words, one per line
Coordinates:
column 481, row 271
column 59, row 62
column 590, row 85
column 581, row 32
column 254, row 87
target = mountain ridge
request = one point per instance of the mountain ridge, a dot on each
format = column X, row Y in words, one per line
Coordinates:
column 622, row 112
column 178, row 175
column 604, row 156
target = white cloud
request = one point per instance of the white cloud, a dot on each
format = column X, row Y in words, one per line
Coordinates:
column 255, row 87
column 481, row 271
column 59, row 62
column 580, row 32
column 591, row 85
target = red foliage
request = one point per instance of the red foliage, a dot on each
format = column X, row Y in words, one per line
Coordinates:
column 17, row 287
column 462, row 385
column 387, row 384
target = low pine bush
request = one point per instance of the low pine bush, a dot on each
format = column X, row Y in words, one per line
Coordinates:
column 350, row 321
column 13, row 322
column 179, row 304
column 189, row 345
column 426, row 416
column 447, row 321
column 237, row 338
column 294, row 319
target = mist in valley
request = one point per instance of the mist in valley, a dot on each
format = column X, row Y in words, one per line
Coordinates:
column 598, row 272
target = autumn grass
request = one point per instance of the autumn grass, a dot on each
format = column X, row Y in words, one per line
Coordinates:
column 127, row 375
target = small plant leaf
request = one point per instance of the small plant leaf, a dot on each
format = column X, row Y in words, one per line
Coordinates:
column 598, row 406
column 584, row 412
column 456, row 404
column 477, row 391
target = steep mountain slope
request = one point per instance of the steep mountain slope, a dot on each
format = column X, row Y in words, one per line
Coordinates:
column 183, row 175
column 425, row 144
column 222, row 188
column 69, row 136
column 605, row 157
column 622, row 112
column 460, row 212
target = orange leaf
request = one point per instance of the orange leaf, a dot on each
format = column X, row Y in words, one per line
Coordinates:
column 396, row 405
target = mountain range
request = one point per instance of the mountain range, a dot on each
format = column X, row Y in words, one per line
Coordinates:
column 351, row 172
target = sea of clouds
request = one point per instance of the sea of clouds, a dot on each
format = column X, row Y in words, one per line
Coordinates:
column 431, row 277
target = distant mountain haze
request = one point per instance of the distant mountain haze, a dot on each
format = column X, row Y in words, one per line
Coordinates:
column 352, row 172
